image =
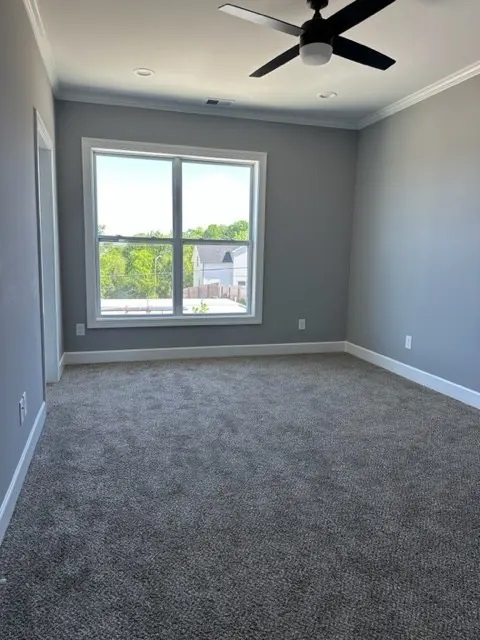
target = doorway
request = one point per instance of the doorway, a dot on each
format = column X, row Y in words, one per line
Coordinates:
column 48, row 253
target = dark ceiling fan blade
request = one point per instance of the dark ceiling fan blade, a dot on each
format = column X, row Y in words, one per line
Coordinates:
column 259, row 18
column 355, row 13
column 360, row 53
column 277, row 62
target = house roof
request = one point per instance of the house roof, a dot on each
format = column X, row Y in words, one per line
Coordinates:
column 217, row 253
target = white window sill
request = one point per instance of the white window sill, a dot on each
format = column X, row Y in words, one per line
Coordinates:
column 172, row 321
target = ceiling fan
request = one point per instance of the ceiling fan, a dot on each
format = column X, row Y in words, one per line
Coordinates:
column 321, row 38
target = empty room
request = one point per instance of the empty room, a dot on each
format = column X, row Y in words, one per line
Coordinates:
column 239, row 320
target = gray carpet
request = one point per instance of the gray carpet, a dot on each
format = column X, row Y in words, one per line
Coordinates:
column 291, row 498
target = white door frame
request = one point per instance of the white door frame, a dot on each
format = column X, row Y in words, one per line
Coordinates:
column 49, row 262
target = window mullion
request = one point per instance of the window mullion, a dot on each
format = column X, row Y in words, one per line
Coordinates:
column 177, row 238
column 209, row 241
column 134, row 240
column 253, row 233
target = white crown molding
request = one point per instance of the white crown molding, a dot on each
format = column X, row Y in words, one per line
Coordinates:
column 61, row 367
column 147, row 102
column 79, row 95
column 40, row 34
column 419, row 96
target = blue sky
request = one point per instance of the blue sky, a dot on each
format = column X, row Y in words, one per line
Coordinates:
column 134, row 195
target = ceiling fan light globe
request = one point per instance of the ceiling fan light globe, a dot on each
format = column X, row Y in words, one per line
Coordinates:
column 316, row 54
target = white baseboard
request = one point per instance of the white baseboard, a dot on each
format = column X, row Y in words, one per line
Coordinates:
column 8, row 505
column 61, row 366
column 180, row 353
column 58, row 373
column 451, row 389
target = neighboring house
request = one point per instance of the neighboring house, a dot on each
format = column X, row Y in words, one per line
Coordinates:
column 220, row 264
column 240, row 266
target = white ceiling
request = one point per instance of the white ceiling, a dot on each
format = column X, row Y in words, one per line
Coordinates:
column 198, row 52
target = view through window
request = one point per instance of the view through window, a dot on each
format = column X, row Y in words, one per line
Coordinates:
column 175, row 236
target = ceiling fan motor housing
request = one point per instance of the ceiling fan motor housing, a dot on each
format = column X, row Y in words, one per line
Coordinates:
column 318, row 5
column 315, row 30
column 316, row 42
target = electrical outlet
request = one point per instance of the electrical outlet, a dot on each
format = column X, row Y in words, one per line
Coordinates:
column 302, row 324
column 80, row 329
column 408, row 342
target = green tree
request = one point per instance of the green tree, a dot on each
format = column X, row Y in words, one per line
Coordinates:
column 188, row 265
column 151, row 271
column 201, row 308
column 215, row 232
column 238, row 230
column 113, row 267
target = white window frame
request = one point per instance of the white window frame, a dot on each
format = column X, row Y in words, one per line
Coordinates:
column 258, row 162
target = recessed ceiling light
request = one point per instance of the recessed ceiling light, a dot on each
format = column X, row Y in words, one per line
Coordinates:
column 143, row 72
column 327, row 95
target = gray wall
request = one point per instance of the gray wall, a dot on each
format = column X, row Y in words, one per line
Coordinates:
column 311, row 173
column 415, row 265
column 24, row 86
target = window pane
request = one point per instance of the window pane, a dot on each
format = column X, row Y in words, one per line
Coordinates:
column 134, row 196
column 216, row 201
column 215, row 279
column 136, row 279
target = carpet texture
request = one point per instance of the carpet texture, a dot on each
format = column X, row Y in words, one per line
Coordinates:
column 293, row 498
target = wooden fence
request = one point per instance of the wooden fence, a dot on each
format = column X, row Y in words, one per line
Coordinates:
column 215, row 290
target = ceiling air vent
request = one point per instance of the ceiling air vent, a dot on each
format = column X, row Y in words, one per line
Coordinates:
column 219, row 102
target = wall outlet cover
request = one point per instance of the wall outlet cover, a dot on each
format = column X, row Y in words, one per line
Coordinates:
column 80, row 329
column 408, row 342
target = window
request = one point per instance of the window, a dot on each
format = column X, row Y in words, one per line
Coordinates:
column 174, row 235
